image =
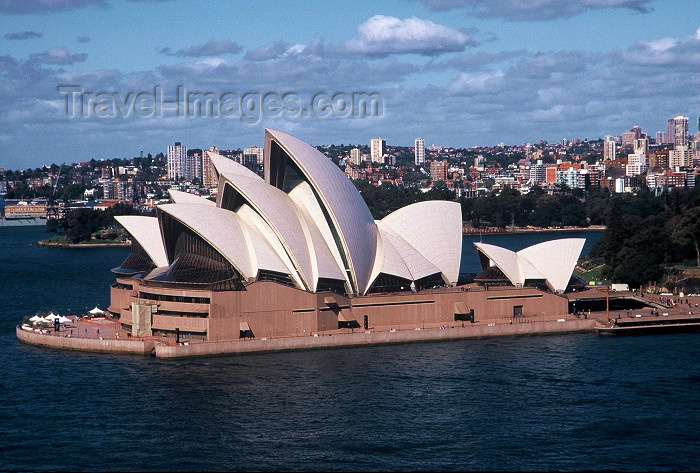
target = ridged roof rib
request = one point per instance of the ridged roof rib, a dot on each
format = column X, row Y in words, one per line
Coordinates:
column 349, row 214
column 146, row 231
column 553, row 261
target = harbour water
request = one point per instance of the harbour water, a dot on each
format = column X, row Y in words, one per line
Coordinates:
column 570, row 402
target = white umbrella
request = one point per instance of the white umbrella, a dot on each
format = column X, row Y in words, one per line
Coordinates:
column 51, row 317
column 96, row 311
column 37, row 318
column 64, row 320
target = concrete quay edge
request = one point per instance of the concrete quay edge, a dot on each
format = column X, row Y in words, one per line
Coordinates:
column 132, row 347
column 360, row 338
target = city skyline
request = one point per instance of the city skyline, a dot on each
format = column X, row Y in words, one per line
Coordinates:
column 458, row 74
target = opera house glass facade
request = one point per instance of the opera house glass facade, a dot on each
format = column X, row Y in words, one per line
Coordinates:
column 294, row 253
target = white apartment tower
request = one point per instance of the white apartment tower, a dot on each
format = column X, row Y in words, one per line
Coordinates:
column 609, row 148
column 377, row 148
column 355, row 156
column 636, row 164
column 177, row 161
column 419, row 152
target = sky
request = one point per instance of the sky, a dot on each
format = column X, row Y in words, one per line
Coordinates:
column 83, row 79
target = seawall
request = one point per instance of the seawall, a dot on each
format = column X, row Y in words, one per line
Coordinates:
column 131, row 347
column 359, row 338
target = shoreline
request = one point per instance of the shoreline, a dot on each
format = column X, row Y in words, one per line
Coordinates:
column 82, row 245
column 516, row 230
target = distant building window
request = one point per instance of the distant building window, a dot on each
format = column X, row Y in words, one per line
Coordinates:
column 517, row 311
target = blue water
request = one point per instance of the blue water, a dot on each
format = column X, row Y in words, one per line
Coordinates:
column 570, row 402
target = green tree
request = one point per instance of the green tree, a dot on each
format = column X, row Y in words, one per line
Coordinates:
column 641, row 258
column 687, row 232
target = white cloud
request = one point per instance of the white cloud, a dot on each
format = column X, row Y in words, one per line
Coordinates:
column 476, row 82
column 661, row 45
column 57, row 56
column 383, row 35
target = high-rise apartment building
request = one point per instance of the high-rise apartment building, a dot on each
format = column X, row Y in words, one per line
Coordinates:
column 538, row 172
column 609, row 148
column 208, row 174
column 253, row 159
column 355, row 156
column 628, row 137
column 176, row 161
column 636, row 164
column 641, row 145
column 377, row 147
column 419, row 151
column 679, row 157
column 438, row 170
column 193, row 167
column 679, row 127
column 670, row 130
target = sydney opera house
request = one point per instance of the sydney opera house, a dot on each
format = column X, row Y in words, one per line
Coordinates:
column 299, row 252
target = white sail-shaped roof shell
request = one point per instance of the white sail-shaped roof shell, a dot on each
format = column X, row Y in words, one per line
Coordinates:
column 394, row 246
column 433, row 229
column 288, row 224
column 388, row 259
column 248, row 215
column 329, row 263
column 146, row 231
column 349, row 215
column 553, row 261
column 239, row 243
column 504, row 259
column 280, row 214
column 180, row 197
